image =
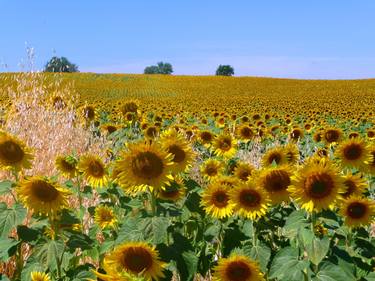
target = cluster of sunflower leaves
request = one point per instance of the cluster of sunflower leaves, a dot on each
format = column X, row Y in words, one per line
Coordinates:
column 173, row 206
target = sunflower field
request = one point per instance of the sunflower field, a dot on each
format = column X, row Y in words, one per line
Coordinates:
column 152, row 177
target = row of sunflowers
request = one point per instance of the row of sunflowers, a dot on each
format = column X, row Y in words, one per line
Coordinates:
column 206, row 195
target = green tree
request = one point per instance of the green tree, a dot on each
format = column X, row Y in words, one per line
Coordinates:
column 225, row 70
column 160, row 68
column 56, row 64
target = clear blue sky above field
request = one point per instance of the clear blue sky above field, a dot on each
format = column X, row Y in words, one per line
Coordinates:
column 301, row 39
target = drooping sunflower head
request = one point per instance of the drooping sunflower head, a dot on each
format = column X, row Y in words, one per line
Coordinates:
column 174, row 190
column 130, row 106
column 180, row 149
column 358, row 211
column 211, row 168
column 42, row 195
column 143, row 164
column 137, row 259
column 296, row 134
column 275, row 181
column 105, row 217
column 93, row 170
column 316, row 185
column 249, row 201
column 13, row 153
column 237, row 268
column 151, row 132
column 215, row 200
column 89, row 113
column 292, row 153
column 243, row 171
column 206, row 137
column 353, row 153
column 274, row 155
column 67, row 165
column 39, row 276
column 245, row 133
column 224, row 145
column 109, row 128
column 332, row 135
column 230, row 181
column 354, row 184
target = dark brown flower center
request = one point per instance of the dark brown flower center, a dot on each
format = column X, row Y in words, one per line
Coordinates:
column 147, row 165
column 276, row 180
column 352, row 151
column 332, row 135
column 44, row 191
column 356, row 210
column 237, row 271
column 211, row 170
column 96, row 169
column 246, row 132
column 11, row 152
column 275, row 156
column 350, row 188
column 225, row 143
column 206, row 136
column 179, row 154
column 249, row 198
column 220, row 198
column 319, row 185
column 137, row 259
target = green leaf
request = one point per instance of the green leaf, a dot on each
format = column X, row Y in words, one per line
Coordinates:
column 81, row 241
column 156, row 229
column 191, row 262
column 331, row 272
column 130, row 230
column 317, row 249
column 8, row 248
column 30, row 266
column 286, row 265
column 5, row 187
column 9, row 218
column 27, row 234
column 371, row 276
column 295, row 221
column 50, row 252
column 260, row 253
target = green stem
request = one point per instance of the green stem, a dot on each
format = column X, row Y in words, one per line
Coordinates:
column 254, row 233
column 153, row 202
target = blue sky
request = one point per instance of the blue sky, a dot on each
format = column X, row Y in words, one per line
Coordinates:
column 302, row 39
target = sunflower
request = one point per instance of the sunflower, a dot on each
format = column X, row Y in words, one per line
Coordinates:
column 237, row 268
column 14, row 153
column 358, row 211
column 275, row 181
column 143, row 164
column 353, row 153
column 224, row 145
column 109, row 128
column 174, row 190
column 151, row 132
column 370, row 163
column 105, row 217
column 93, row 170
column 39, row 276
column 275, row 155
column 176, row 145
column 57, row 102
column 249, row 201
column 296, row 134
column 136, row 258
column 89, row 113
column 316, row 185
column 292, row 153
column 354, row 185
column 370, row 134
column 206, row 137
column 243, row 171
column 42, row 195
column 215, row 200
column 332, row 135
column 130, row 106
column 211, row 168
column 67, row 165
column 245, row 133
